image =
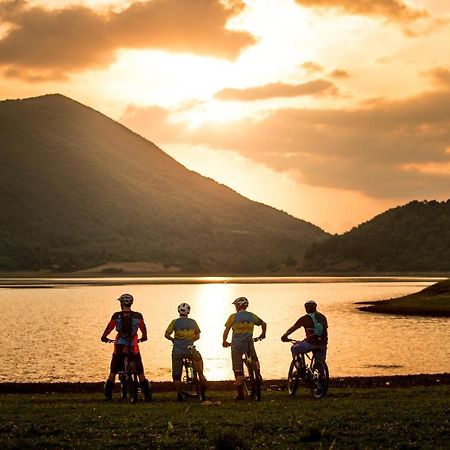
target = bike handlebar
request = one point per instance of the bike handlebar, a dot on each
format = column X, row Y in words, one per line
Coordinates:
column 111, row 341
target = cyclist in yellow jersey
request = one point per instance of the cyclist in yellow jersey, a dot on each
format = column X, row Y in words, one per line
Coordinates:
column 185, row 331
column 242, row 323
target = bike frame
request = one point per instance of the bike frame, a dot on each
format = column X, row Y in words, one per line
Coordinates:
column 190, row 379
column 314, row 373
column 128, row 377
column 252, row 380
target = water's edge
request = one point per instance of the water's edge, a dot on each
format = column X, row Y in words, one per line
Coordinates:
column 276, row 385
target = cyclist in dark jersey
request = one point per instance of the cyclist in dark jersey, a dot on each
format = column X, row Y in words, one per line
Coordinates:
column 312, row 343
column 242, row 322
column 127, row 323
column 185, row 331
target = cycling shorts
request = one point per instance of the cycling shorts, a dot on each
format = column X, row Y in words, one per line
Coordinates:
column 238, row 351
column 177, row 360
column 117, row 362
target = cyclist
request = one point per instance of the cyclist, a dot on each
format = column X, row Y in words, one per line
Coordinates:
column 242, row 322
column 185, row 331
column 127, row 323
column 313, row 342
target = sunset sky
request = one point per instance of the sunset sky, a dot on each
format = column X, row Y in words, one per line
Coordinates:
column 331, row 110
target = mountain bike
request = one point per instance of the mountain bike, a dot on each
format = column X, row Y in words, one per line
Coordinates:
column 312, row 372
column 128, row 376
column 190, row 379
column 252, row 375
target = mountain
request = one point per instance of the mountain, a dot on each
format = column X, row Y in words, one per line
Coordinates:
column 78, row 189
column 413, row 237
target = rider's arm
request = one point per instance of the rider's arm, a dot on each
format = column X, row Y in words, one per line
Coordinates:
column 169, row 331
column 228, row 325
column 225, row 335
column 143, row 329
column 294, row 327
column 168, row 336
column 108, row 330
column 264, row 329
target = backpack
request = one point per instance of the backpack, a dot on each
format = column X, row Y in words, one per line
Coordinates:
column 318, row 327
column 126, row 329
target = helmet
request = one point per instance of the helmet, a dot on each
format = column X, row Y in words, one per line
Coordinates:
column 126, row 299
column 241, row 301
column 184, row 309
column 310, row 305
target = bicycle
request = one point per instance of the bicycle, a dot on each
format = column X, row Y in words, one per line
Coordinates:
column 312, row 372
column 191, row 384
column 128, row 376
column 251, row 376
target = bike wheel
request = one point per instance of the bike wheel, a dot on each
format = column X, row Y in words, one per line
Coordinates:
column 191, row 382
column 320, row 378
column 132, row 382
column 257, row 384
column 249, row 379
column 292, row 379
column 123, row 385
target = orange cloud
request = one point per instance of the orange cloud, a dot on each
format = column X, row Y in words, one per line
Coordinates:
column 364, row 149
column 391, row 9
column 273, row 90
column 50, row 43
column 440, row 76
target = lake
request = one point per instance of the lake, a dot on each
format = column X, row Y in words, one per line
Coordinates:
column 51, row 328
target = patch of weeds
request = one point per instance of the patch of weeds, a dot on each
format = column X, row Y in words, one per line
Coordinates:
column 229, row 440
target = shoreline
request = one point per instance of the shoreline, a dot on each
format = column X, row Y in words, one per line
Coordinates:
column 382, row 381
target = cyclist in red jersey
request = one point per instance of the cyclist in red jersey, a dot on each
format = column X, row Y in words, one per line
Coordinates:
column 127, row 323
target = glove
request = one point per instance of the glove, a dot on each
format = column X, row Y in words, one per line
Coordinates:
column 284, row 338
column 104, row 339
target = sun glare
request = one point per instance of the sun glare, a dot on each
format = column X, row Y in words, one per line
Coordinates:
column 212, row 112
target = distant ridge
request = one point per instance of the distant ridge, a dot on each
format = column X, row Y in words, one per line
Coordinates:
column 413, row 237
column 78, row 190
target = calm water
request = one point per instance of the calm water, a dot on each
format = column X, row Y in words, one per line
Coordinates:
column 52, row 333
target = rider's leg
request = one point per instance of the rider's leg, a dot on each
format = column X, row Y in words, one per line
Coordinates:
column 109, row 386
column 198, row 366
column 115, row 366
column 238, row 369
column 145, row 385
column 177, row 370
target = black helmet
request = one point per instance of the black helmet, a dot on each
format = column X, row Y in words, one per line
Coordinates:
column 126, row 299
column 310, row 305
column 241, row 301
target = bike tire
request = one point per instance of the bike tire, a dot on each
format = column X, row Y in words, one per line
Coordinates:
column 292, row 379
column 320, row 379
column 191, row 382
column 123, row 386
column 249, row 379
column 258, row 384
column 132, row 382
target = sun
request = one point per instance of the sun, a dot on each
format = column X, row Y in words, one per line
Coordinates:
column 212, row 112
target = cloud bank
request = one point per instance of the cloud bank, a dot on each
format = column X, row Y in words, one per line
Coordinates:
column 46, row 43
column 386, row 149
column 273, row 90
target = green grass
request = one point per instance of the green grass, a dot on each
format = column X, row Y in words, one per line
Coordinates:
column 407, row 418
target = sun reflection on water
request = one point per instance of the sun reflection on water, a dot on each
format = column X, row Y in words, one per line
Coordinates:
column 213, row 306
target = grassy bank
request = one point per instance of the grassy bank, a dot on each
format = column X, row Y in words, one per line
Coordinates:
column 412, row 417
column 431, row 301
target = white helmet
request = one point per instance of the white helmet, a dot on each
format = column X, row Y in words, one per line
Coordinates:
column 241, row 301
column 184, row 309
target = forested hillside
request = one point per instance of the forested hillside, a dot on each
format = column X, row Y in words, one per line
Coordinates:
column 77, row 189
column 414, row 237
